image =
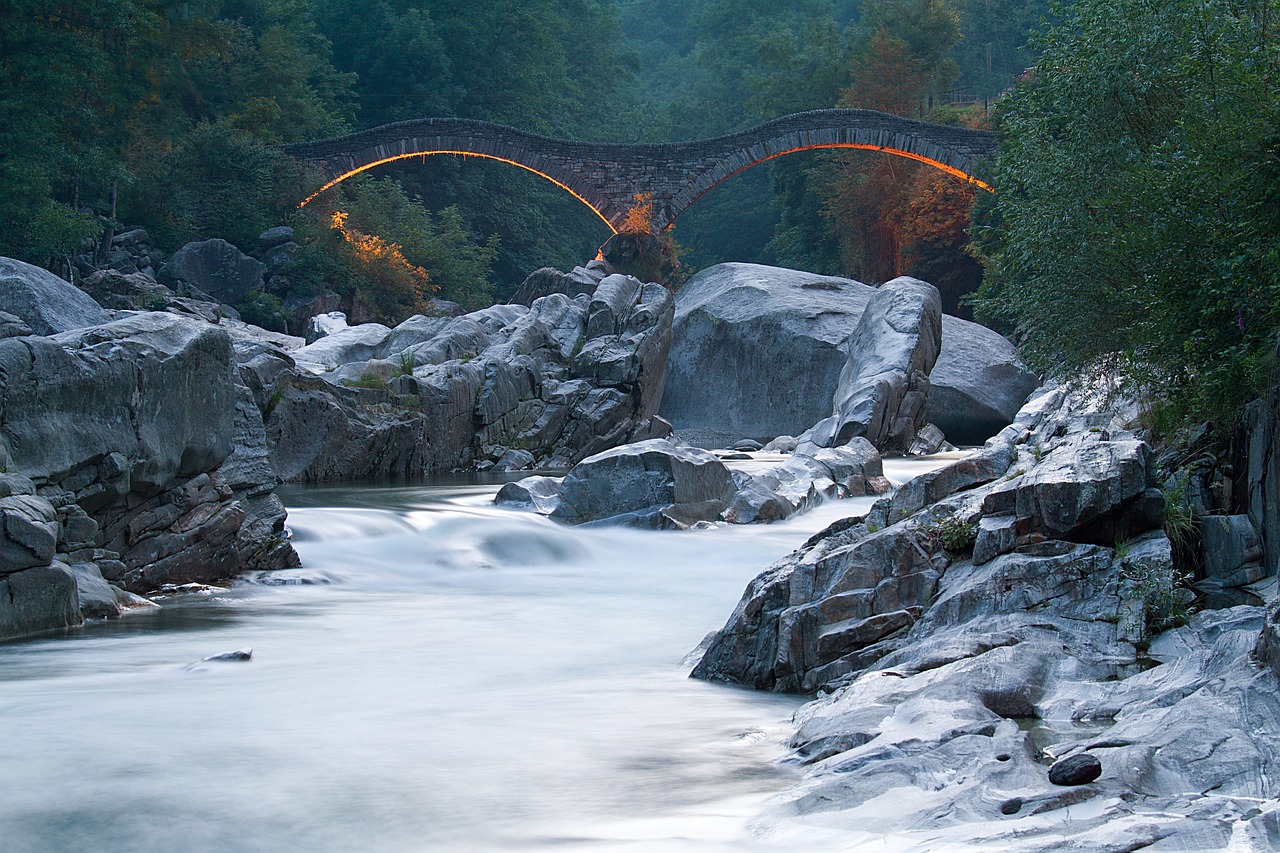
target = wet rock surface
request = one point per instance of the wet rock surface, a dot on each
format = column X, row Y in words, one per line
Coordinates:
column 660, row 484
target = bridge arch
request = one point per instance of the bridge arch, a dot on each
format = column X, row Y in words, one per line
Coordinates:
column 607, row 176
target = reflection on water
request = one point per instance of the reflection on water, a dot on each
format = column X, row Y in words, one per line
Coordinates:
column 467, row 679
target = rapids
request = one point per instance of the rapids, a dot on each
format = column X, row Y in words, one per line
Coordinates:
column 442, row 675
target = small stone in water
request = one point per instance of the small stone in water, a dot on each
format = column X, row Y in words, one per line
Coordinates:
column 237, row 655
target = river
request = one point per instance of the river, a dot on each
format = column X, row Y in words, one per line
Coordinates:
column 443, row 675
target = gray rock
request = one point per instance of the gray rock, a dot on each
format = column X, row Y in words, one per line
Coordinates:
column 353, row 343
column 322, row 325
column 134, row 292
column 1082, row 490
column 273, row 237
column 514, row 459
column 682, row 484
column 885, row 382
column 39, row 599
column 782, row 444
column 977, row 385
column 611, row 304
column 756, row 503
column 275, row 259
column 758, row 350
column 28, row 533
column 11, row 326
column 43, row 302
column 1231, row 549
column 747, row 445
column 238, row 656
column 451, row 389
column 996, row 535
column 214, row 268
column 929, row 440
column 546, row 281
column 156, row 388
column 541, row 494
column 97, row 598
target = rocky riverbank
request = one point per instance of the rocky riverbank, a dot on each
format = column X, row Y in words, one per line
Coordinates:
column 1006, row 657
column 132, row 454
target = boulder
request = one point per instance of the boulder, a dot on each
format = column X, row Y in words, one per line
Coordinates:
column 214, row 268
column 541, row 494
column 977, row 385
column 324, row 325
column 11, row 326
column 131, row 292
column 28, row 533
column 885, row 381
column 342, row 345
column 757, row 351
column 273, row 237
column 156, row 388
column 852, row 593
column 651, row 479
column 437, row 393
column 1231, row 550
column 43, row 302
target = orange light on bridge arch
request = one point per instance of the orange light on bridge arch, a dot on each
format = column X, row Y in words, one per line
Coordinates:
column 345, row 175
column 950, row 170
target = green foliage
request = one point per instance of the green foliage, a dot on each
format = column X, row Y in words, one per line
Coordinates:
column 1179, row 518
column 951, row 533
column 1137, row 182
column 458, row 266
column 406, row 363
column 336, row 257
column 263, row 310
column 1166, row 594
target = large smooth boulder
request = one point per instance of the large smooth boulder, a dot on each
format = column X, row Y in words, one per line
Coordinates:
column 215, row 268
column 757, row 351
column 978, row 383
column 885, row 382
column 651, row 478
column 155, row 389
column 44, row 302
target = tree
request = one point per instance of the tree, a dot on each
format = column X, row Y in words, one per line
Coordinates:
column 1136, row 223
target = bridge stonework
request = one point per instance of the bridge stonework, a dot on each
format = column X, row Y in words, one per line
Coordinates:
column 608, row 176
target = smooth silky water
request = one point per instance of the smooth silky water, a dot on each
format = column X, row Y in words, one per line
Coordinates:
column 453, row 676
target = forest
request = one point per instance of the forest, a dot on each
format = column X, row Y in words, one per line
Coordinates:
column 1137, row 180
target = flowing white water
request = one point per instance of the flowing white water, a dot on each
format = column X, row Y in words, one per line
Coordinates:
column 465, row 678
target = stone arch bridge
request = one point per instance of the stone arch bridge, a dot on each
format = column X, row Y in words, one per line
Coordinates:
column 607, row 177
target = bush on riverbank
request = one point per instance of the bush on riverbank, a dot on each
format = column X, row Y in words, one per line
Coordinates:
column 1139, row 202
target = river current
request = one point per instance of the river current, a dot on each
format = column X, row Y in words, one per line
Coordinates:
column 442, row 675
